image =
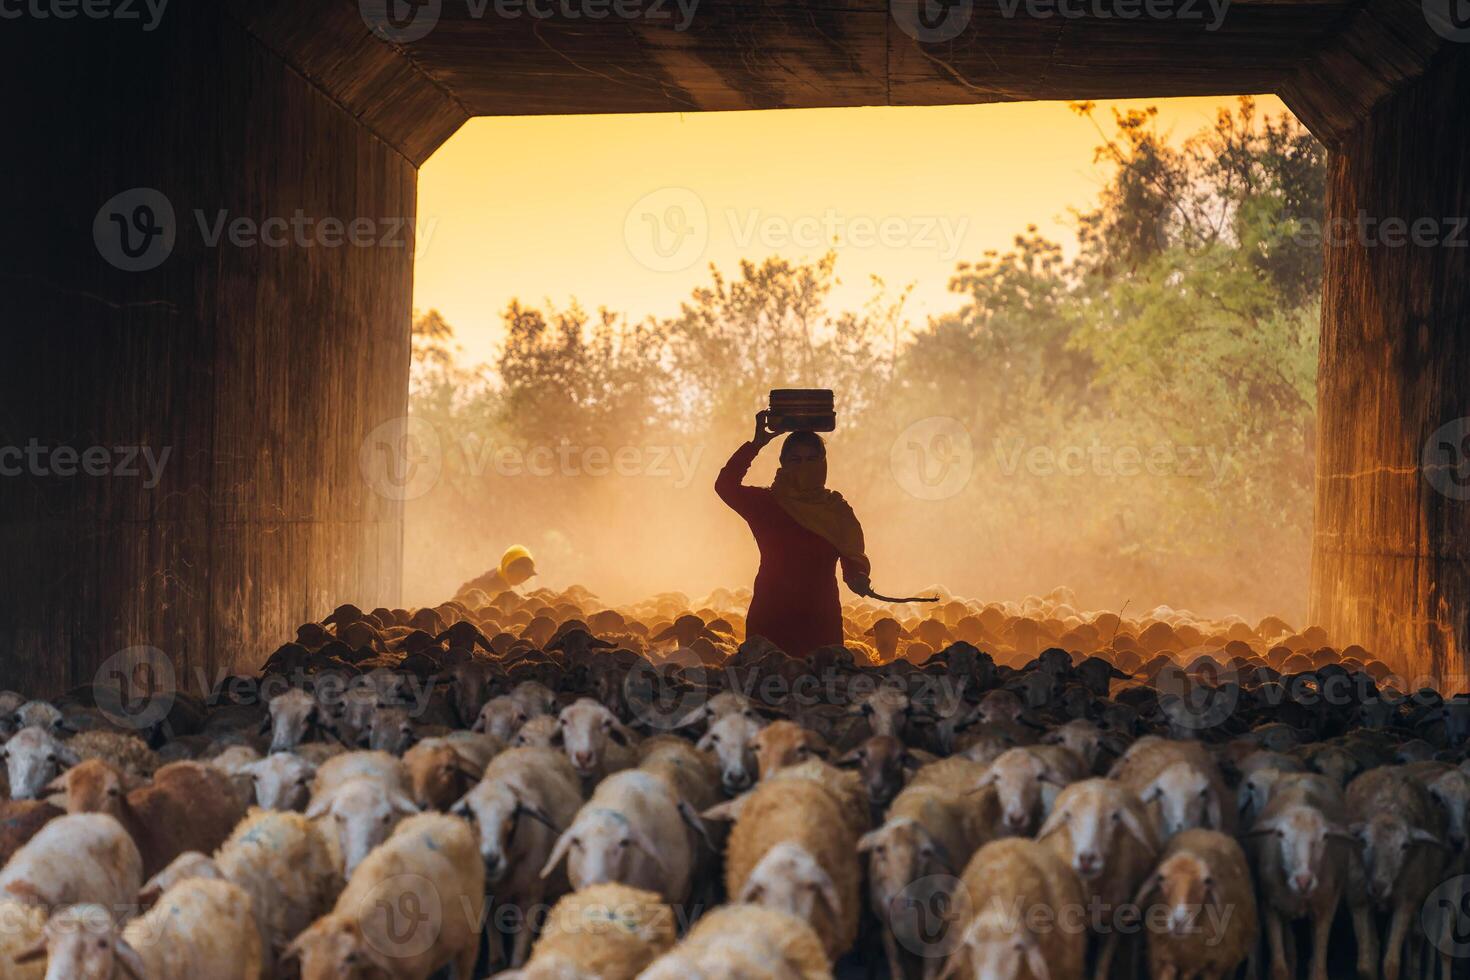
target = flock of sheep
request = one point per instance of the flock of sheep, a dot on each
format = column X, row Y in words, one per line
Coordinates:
column 541, row 785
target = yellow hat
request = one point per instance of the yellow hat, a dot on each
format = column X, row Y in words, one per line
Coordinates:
column 513, row 554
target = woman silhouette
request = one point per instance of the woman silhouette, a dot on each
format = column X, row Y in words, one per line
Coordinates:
column 803, row 531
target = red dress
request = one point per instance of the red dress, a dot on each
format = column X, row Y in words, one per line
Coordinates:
column 795, row 604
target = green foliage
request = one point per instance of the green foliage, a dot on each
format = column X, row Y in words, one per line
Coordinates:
column 1180, row 329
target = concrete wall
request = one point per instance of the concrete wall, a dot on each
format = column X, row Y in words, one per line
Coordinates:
column 1391, row 564
column 259, row 370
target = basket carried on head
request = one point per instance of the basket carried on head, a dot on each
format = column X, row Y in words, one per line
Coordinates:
column 802, row 410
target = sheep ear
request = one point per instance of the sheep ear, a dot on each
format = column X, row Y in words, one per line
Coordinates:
column 622, row 734
column 1134, row 826
column 1052, row 824
column 537, row 814
column 704, row 744
column 67, row 756
column 870, row 840
column 318, row 807
column 468, row 767
column 828, row 890
column 694, row 717
column 1212, row 812
column 1036, row 961
column 402, row 803
column 1421, row 836
column 1149, row 884
column 691, row 817
column 558, row 851
column 32, row 953
column 647, row 845
column 849, row 760
column 128, row 958
column 729, row 810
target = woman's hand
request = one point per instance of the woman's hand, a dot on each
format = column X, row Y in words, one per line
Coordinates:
column 763, row 434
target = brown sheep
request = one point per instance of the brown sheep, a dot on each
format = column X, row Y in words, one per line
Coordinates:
column 607, row 931
column 189, row 806
column 1008, row 886
column 1204, row 883
column 792, row 846
column 19, row 822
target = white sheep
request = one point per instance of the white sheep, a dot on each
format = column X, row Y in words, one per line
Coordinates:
column 82, row 858
column 741, row 941
column 595, row 741
column 33, row 758
column 199, row 928
column 631, row 831
column 280, row 781
column 525, row 800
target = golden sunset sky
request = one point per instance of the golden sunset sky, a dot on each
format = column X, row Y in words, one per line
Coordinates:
column 628, row 211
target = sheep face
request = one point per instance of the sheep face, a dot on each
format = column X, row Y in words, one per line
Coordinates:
column 500, row 817
column 41, row 714
column 93, row 786
column 335, row 949
column 291, row 716
column 281, row 781
column 904, row 860
column 391, row 731
column 785, row 743
column 994, row 949
column 1017, row 777
column 363, row 814
column 1452, row 791
column 585, row 729
column 502, row 717
column 886, row 710
column 1082, row 737
column 1388, row 842
column 81, row 943
column 540, row 732
column 1184, row 886
column 732, row 740
column 1096, row 814
column 790, row 880
column 881, row 762
column 1184, row 799
column 1300, row 834
column 602, row 846
column 33, row 758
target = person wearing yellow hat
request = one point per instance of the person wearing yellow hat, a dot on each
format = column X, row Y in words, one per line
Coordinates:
column 516, row 566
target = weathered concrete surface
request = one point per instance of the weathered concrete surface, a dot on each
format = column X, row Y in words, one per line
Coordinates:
column 259, row 370
column 1391, row 565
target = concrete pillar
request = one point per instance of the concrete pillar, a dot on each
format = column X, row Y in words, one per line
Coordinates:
column 260, row 369
column 1391, row 562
